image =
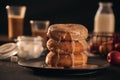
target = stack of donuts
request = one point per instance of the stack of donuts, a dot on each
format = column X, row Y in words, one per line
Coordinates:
column 67, row 45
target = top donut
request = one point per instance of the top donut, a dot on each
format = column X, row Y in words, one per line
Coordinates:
column 67, row 32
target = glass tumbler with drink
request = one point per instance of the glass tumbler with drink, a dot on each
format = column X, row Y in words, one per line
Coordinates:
column 15, row 20
column 39, row 28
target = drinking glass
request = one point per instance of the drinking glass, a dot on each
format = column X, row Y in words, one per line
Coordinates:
column 39, row 28
column 15, row 20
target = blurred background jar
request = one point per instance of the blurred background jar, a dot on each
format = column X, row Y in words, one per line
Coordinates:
column 104, row 21
column 29, row 47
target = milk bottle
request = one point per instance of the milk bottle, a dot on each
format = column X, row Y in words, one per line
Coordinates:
column 104, row 21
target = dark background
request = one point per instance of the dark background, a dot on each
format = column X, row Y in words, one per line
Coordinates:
column 58, row 11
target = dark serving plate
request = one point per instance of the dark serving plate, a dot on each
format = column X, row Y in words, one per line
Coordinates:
column 38, row 65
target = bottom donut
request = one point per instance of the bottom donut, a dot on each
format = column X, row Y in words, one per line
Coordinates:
column 66, row 60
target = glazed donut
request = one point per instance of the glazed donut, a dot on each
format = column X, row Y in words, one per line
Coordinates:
column 67, row 32
column 56, row 60
column 66, row 47
column 81, row 58
column 66, row 60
